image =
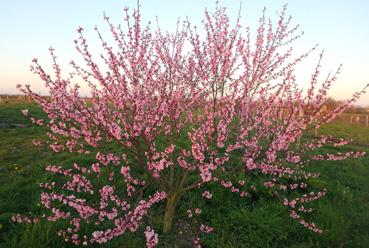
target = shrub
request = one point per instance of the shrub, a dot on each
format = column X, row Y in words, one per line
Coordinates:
column 185, row 110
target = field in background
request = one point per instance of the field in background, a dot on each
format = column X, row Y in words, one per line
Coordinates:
column 353, row 115
column 260, row 222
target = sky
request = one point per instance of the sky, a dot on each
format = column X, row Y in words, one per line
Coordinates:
column 29, row 28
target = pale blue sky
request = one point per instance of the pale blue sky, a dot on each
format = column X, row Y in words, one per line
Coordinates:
column 29, row 28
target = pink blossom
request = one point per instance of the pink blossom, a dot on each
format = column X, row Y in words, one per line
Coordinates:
column 151, row 237
column 207, row 194
column 24, row 112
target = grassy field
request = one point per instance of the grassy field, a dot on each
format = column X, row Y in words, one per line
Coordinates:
column 343, row 214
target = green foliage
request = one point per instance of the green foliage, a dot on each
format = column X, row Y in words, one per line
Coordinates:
column 358, row 133
column 252, row 222
column 254, row 226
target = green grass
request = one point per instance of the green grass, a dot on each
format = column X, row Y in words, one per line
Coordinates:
column 359, row 133
column 261, row 222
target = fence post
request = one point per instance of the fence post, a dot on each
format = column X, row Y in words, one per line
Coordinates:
column 357, row 119
column 324, row 108
column 367, row 121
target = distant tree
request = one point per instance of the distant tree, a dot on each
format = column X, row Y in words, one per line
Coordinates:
column 331, row 103
column 187, row 109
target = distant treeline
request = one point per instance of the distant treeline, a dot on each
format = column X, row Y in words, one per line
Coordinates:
column 329, row 104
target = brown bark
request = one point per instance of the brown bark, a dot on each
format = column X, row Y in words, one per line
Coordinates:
column 172, row 201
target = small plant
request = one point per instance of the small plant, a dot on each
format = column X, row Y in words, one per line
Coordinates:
column 183, row 111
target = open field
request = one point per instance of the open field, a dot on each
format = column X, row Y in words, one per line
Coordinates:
column 258, row 222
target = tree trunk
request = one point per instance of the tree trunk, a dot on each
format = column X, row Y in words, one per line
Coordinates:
column 172, row 201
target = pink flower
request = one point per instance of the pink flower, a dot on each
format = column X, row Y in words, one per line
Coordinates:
column 206, row 229
column 24, row 112
column 96, row 167
column 151, row 237
column 197, row 211
column 207, row 194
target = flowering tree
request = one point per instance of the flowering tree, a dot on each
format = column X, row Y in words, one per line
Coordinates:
column 186, row 110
